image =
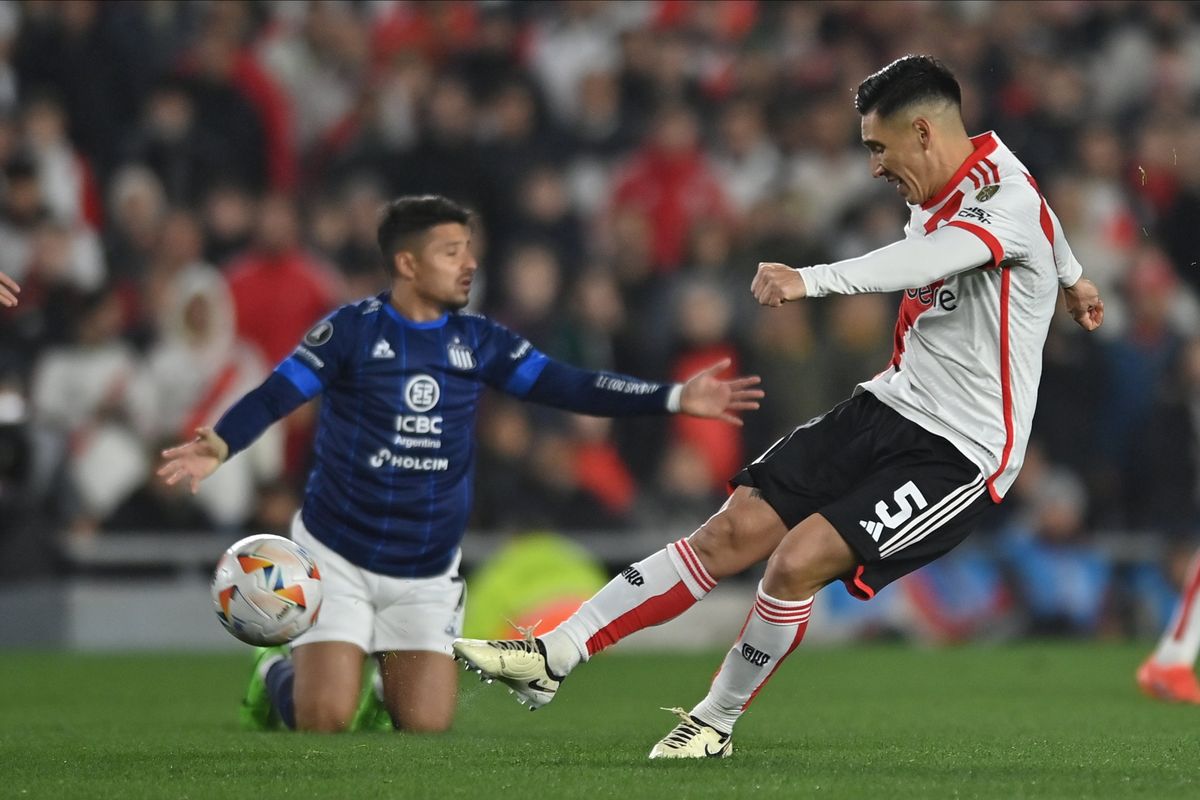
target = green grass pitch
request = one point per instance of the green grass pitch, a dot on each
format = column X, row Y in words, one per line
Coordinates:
column 1036, row 720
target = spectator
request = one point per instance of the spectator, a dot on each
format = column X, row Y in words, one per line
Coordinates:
column 185, row 155
column 747, row 160
column 669, row 179
column 228, row 213
column 137, row 205
column 267, row 315
column 1138, row 363
column 1062, row 579
column 23, row 209
column 195, row 372
column 278, row 290
column 81, row 408
column 68, row 180
column 544, row 214
column 703, row 327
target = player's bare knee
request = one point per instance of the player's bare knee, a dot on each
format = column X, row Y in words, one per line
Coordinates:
column 324, row 717
column 714, row 543
column 792, row 575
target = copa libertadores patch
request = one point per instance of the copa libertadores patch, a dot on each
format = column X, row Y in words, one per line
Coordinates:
column 321, row 333
column 987, row 193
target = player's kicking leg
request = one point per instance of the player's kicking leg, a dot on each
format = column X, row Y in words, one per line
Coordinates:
column 520, row 664
column 810, row 556
column 1169, row 673
column 652, row 591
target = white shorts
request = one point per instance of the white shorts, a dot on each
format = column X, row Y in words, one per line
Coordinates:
column 380, row 613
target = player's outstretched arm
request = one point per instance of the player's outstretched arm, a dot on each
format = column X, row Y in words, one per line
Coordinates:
column 900, row 265
column 195, row 460
column 8, row 291
column 1084, row 304
column 609, row 394
column 706, row 395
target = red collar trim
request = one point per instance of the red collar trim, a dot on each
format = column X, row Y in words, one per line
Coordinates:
column 985, row 144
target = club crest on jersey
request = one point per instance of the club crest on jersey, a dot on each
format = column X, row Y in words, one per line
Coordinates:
column 987, row 193
column 321, row 333
column 461, row 356
column 421, row 393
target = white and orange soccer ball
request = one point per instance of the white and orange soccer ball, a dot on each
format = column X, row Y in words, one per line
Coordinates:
column 266, row 590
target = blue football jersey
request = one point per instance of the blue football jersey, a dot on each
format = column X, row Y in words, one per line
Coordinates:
column 391, row 489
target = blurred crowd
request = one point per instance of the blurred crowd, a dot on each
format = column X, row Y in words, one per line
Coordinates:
column 187, row 186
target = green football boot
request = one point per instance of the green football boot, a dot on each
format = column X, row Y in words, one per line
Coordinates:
column 257, row 713
column 372, row 713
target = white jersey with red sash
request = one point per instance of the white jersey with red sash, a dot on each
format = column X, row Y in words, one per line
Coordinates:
column 968, row 341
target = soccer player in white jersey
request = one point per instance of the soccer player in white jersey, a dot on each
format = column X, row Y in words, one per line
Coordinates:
column 1169, row 673
column 898, row 474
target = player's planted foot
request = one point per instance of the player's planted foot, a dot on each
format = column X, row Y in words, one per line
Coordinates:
column 692, row 738
column 518, row 663
column 257, row 713
column 1175, row 683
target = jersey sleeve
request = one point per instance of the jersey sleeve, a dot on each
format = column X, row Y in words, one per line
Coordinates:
column 246, row 419
column 514, row 366
column 317, row 360
column 903, row 265
column 1010, row 223
column 322, row 354
column 1069, row 269
column 508, row 361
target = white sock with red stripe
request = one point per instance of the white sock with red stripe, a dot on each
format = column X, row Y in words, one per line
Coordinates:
column 650, row 592
column 770, row 634
column 1180, row 643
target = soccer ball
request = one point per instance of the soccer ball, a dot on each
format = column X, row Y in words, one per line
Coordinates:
column 266, row 590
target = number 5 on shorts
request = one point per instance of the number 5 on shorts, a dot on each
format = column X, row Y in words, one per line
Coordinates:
column 908, row 498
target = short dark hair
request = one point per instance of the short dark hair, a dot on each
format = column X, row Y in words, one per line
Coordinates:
column 906, row 81
column 413, row 215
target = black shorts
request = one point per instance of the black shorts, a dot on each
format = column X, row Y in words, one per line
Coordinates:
column 899, row 495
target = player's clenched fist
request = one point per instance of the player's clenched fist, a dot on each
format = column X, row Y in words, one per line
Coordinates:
column 776, row 284
column 8, row 291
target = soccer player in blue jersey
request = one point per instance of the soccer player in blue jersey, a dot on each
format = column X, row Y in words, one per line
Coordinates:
column 387, row 501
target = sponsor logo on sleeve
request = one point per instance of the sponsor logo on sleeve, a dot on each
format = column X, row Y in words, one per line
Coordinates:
column 977, row 214
column 520, row 350
column 321, row 333
column 613, row 384
column 310, row 357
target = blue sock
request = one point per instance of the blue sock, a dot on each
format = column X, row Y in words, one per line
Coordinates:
column 280, row 678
